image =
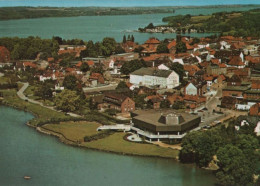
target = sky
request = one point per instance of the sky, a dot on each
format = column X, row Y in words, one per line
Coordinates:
column 121, row 3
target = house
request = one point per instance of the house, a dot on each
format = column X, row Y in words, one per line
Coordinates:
column 228, row 102
column 190, row 89
column 118, row 102
column 216, row 69
column 163, row 125
column 255, row 110
column 191, row 70
column 155, row 78
column 96, row 78
column 234, row 91
column 235, row 80
column 4, row 55
column 150, row 46
column 236, row 61
column 172, row 47
column 155, row 100
column 194, row 101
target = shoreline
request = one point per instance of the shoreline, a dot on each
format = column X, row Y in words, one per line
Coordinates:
column 65, row 141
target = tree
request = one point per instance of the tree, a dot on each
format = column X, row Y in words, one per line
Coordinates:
column 234, row 166
column 84, row 67
column 109, row 46
column 44, row 91
column 119, row 50
column 132, row 66
column 132, row 38
column 178, row 105
column 179, row 69
column 162, row 48
column 121, row 85
column 58, row 39
column 124, row 39
column 68, row 101
column 181, row 47
column 165, row 104
column 150, row 26
column 70, row 82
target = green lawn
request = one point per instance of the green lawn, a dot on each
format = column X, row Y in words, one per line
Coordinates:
column 4, row 80
column 199, row 19
column 30, row 91
column 116, row 143
column 75, row 131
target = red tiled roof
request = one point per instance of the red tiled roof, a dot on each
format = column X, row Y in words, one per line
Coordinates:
column 236, row 61
column 215, row 61
column 90, row 63
column 171, row 44
column 152, row 40
column 79, row 64
column 29, row 64
column 95, row 76
column 222, row 65
column 50, row 59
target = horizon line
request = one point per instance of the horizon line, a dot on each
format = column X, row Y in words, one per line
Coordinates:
column 151, row 6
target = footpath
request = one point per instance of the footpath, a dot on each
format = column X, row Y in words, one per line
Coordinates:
column 21, row 95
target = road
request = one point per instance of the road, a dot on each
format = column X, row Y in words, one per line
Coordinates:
column 102, row 88
column 21, row 95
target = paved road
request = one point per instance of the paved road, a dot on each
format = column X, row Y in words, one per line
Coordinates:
column 21, row 95
column 102, row 88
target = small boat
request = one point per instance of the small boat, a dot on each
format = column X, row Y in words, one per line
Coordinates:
column 27, row 177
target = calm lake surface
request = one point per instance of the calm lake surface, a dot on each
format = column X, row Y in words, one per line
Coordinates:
column 97, row 27
column 24, row 151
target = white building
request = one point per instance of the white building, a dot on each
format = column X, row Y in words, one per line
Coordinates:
column 153, row 77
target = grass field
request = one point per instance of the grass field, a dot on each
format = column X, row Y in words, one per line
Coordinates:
column 199, row 19
column 75, row 131
column 116, row 143
column 4, row 80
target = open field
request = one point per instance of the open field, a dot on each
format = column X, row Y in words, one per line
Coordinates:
column 116, row 143
column 75, row 131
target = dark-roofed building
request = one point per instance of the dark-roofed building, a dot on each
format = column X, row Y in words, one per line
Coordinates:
column 165, row 124
column 151, row 77
column 118, row 102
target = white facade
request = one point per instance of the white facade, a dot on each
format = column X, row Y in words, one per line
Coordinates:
column 149, row 80
column 190, row 89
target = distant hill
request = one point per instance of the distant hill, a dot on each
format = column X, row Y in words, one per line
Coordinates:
column 8, row 13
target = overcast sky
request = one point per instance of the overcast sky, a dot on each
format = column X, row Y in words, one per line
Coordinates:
column 116, row 3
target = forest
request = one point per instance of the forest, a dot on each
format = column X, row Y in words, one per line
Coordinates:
column 239, row 24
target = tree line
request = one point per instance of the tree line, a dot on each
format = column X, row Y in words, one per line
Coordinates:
column 235, row 152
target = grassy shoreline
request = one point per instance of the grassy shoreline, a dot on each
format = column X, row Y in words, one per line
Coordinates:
column 114, row 143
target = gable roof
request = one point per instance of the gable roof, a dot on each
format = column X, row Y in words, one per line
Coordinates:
column 152, row 72
column 152, row 40
column 236, row 61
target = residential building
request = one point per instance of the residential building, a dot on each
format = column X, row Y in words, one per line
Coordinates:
column 151, row 77
column 118, row 102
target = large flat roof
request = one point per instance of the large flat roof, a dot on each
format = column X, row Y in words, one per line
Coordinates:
column 153, row 116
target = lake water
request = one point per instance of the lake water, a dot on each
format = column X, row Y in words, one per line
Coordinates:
column 24, row 151
column 97, row 27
